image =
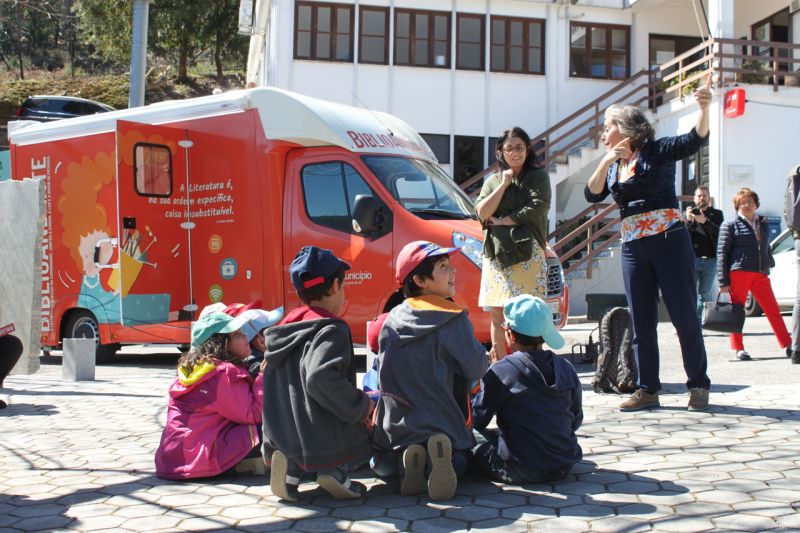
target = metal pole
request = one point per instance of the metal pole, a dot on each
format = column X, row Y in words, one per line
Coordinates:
column 138, row 53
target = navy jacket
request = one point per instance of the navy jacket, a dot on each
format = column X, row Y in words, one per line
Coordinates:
column 653, row 185
column 538, row 411
column 738, row 249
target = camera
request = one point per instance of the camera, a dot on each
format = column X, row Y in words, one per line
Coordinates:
column 696, row 211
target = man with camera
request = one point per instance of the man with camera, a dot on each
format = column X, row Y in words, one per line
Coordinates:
column 703, row 222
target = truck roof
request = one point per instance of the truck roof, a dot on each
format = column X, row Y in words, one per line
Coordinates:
column 285, row 116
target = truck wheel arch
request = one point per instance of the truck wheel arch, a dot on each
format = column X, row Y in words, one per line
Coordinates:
column 81, row 323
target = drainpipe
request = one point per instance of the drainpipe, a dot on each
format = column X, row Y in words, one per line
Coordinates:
column 138, row 53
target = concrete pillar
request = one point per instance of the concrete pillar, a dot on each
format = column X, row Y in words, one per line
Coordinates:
column 25, row 267
column 77, row 363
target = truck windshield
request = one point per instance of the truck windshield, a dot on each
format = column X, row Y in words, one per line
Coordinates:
column 421, row 187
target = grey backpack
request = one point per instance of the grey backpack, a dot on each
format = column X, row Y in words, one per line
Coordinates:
column 616, row 366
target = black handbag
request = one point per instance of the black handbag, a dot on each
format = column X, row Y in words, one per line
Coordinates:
column 726, row 317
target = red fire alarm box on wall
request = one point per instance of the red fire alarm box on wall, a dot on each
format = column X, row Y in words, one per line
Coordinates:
column 734, row 102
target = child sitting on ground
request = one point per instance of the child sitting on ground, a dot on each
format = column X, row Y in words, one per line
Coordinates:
column 214, row 411
column 258, row 320
column 536, row 396
column 427, row 357
column 317, row 418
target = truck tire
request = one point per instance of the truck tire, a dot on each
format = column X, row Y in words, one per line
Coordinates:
column 751, row 307
column 82, row 324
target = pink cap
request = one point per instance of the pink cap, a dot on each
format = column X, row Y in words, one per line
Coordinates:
column 235, row 310
column 415, row 253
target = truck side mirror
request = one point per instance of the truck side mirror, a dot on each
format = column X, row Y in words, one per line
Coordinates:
column 369, row 215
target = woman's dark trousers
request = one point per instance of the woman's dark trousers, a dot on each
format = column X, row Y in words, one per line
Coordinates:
column 664, row 261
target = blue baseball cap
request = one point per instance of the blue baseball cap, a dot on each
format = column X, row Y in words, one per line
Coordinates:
column 214, row 323
column 531, row 316
column 312, row 266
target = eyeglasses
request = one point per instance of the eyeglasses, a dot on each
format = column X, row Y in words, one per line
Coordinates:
column 512, row 149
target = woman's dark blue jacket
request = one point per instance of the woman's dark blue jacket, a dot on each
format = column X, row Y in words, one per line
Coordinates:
column 653, row 185
column 738, row 249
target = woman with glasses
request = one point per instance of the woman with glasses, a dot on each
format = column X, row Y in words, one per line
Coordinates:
column 638, row 171
column 513, row 206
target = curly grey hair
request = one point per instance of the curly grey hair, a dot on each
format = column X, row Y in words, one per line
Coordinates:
column 632, row 123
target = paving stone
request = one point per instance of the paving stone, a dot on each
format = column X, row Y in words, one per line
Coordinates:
column 559, row 525
column 763, row 508
column 789, row 521
column 472, row 513
column 445, row 525
column 744, row 522
column 528, row 513
column 501, row 501
column 267, row 523
column 98, row 523
column 29, row 511
column 414, row 512
column 149, row 523
column 701, row 508
column 499, row 525
column 37, row 523
column 723, row 496
column 140, row 510
column 297, row 513
column 379, row 525
column 322, row 524
column 687, row 524
column 778, row 495
column 359, row 512
column 587, row 511
column 90, row 509
column 179, row 500
column 615, row 524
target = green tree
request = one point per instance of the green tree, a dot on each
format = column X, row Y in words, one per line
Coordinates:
column 106, row 25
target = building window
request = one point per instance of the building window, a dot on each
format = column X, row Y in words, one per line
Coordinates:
column 469, row 49
column 323, row 31
column 422, row 38
column 439, row 145
column 468, row 158
column 374, row 35
column 330, row 191
column 491, row 151
column 599, row 51
column 152, row 166
column 517, row 45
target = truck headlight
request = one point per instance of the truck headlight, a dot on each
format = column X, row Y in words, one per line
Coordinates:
column 470, row 247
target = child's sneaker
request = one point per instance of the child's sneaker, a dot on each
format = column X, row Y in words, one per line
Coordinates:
column 254, row 466
column 347, row 490
column 413, row 480
column 279, row 479
column 442, row 480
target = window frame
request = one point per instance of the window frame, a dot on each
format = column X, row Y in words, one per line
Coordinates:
column 507, row 20
column 386, row 36
column 314, row 6
column 607, row 50
column 481, row 43
column 431, row 37
column 136, row 167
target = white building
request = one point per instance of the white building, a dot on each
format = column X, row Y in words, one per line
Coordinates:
column 461, row 71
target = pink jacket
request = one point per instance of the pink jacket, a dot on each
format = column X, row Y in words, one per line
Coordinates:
column 212, row 420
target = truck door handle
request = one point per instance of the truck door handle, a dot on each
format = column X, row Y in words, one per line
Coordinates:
column 113, row 242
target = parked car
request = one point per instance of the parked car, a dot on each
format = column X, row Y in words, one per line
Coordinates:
column 47, row 108
column 783, row 276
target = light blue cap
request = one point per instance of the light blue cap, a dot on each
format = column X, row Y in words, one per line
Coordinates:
column 258, row 319
column 531, row 316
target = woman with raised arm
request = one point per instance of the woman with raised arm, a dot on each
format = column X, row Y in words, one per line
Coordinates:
column 513, row 206
column 638, row 171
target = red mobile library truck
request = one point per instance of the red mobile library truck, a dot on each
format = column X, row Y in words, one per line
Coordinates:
column 155, row 212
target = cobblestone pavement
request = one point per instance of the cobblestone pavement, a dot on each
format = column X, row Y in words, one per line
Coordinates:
column 79, row 456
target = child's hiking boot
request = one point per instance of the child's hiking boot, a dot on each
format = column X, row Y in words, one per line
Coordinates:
column 442, row 479
column 346, row 490
column 639, row 400
column 252, row 465
column 281, row 484
column 698, row 399
column 413, row 480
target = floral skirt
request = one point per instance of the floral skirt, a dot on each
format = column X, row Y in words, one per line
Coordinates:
column 498, row 284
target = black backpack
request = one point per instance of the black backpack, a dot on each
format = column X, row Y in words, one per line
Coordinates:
column 791, row 201
column 616, row 367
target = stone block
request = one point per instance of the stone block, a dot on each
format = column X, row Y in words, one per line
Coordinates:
column 22, row 235
column 78, row 361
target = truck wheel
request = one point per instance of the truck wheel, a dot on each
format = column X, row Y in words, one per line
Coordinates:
column 82, row 324
column 751, row 307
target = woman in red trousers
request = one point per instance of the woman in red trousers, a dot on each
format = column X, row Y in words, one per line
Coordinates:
column 744, row 260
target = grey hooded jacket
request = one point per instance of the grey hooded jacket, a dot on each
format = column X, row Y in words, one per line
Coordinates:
column 313, row 410
column 428, row 357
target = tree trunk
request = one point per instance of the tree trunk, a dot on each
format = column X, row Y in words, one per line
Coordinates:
column 183, row 60
column 218, row 56
column 19, row 46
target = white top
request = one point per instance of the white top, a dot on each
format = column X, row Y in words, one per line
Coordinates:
column 284, row 115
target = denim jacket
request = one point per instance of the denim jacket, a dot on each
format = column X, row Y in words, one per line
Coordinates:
column 653, row 184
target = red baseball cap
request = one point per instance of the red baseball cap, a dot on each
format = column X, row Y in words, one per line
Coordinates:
column 237, row 309
column 415, row 253
column 373, row 332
